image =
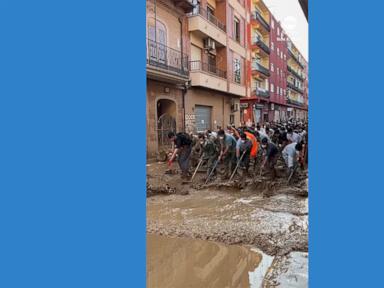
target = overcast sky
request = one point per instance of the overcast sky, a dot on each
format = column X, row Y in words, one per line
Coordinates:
column 293, row 21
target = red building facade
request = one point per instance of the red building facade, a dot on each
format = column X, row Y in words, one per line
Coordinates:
column 281, row 92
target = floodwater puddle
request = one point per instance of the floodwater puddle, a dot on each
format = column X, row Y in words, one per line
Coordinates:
column 256, row 277
column 186, row 262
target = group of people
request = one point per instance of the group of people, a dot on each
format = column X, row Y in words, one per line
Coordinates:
column 237, row 149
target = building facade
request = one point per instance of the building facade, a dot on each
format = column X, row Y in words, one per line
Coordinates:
column 167, row 40
column 211, row 63
column 278, row 74
column 218, row 64
column 196, row 66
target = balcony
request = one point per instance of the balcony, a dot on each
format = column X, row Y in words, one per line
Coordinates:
column 259, row 43
column 165, row 63
column 186, row 5
column 294, row 73
column 294, row 87
column 208, row 68
column 257, row 16
column 294, row 102
column 295, row 58
column 260, row 68
column 260, row 92
column 206, row 25
column 207, row 75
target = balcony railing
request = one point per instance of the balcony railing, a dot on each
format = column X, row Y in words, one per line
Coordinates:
column 295, row 58
column 294, row 102
column 208, row 16
column 294, row 87
column 290, row 69
column 208, row 68
column 258, row 67
column 257, row 41
column 257, row 16
column 187, row 5
column 262, row 92
column 162, row 56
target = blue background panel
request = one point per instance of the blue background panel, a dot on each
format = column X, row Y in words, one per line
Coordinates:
column 72, row 114
column 346, row 118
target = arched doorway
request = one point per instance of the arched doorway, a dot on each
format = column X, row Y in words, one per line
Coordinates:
column 166, row 122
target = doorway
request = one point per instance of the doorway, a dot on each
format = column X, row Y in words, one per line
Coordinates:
column 166, row 122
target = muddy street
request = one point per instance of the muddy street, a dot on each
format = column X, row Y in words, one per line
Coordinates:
column 272, row 218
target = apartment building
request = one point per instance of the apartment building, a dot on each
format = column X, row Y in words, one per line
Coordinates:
column 297, row 83
column 167, row 39
column 217, row 64
column 255, row 106
column 277, row 80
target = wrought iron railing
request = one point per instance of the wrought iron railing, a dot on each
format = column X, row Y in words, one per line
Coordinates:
column 294, row 87
column 208, row 16
column 209, row 68
column 257, row 16
column 296, row 58
column 257, row 41
column 290, row 69
column 162, row 56
column 294, row 102
column 262, row 92
column 258, row 67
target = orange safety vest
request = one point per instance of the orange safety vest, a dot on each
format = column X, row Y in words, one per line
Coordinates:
column 255, row 144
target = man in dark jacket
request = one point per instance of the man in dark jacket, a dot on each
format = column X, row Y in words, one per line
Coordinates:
column 183, row 147
column 270, row 155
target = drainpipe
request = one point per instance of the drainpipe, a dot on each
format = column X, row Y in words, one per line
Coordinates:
column 185, row 86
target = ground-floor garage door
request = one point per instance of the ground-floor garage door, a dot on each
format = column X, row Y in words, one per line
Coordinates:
column 203, row 117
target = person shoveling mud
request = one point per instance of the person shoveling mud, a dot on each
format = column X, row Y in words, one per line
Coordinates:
column 220, row 153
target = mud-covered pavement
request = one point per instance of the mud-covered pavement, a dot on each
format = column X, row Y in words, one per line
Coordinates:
column 271, row 216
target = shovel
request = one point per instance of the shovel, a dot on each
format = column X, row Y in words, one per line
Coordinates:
column 293, row 172
column 237, row 166
column 213, row 169
column 194, row 173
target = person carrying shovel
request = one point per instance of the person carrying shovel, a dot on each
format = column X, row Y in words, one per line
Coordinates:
column 183, row 148
column 291, row 155
column 227, row 153
column 270, row 156
column 210, row 152
column 243, row 152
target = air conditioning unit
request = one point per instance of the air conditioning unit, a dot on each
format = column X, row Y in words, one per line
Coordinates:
column 209, row 44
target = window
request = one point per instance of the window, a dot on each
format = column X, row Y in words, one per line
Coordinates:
column 236, row 71
column 285, row 57
column 272, row 90
column 272, row 46
column 278, row 52
column 278, row 31
column 278, row 70
column 281, row 54
column 272, row 67
column 236, row 29
column 273, row 24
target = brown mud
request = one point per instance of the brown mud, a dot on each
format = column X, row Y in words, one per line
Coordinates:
column 185, row 262
column 255, row 212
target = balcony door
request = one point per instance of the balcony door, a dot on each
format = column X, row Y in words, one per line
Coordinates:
column 158, row 43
